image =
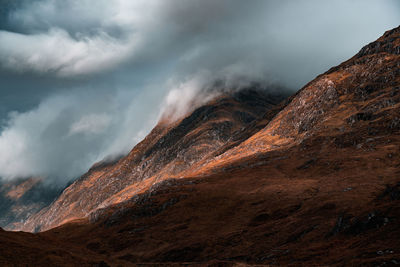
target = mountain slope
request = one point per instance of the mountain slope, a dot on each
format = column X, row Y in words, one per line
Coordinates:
column 167, row 151
column 314, row 182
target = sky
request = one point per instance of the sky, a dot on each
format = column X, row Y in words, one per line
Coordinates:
column 84, row 80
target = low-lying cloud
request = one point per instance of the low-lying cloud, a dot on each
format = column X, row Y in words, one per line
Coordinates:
column 57, row 52
column 91, row 124
column 66, row 133
column 88, row 79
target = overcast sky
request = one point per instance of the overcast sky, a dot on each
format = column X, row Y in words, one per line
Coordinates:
column 84, row 79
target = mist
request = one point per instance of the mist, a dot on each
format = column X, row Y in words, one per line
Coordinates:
column 85, row 80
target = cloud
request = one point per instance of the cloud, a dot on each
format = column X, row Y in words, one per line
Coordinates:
column 201, row 87
column 67, row 133
column 69, row 38
column 56, row 51
column 185, row 96
column 72, row 37
column 90, row 124
column 81, row 80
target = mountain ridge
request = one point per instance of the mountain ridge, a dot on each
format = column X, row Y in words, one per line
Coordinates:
column 168, row 149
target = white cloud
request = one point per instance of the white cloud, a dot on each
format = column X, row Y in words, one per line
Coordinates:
column 184, row 96
column 22, row 147
column 56, row 51
column 91, row 124
column 70, row 37
column 67, row 133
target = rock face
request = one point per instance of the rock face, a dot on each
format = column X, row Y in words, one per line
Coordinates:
column 313, row 181
column 168, row 151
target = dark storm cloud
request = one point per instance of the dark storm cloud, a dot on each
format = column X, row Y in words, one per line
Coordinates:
column 87, row 78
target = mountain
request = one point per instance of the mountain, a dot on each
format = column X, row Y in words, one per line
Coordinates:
column 168, row 151
column 245, row 179
column 21, row 198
